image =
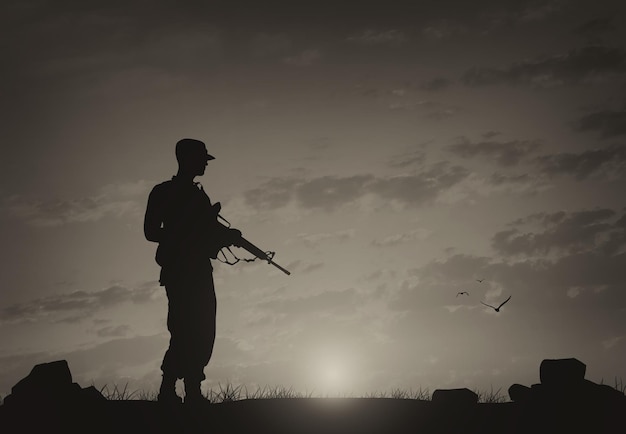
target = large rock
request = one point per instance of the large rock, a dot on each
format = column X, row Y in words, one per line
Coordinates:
column 565, row 401
column 50, row 384
column 562, row 372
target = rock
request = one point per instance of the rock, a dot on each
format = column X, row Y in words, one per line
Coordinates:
column 50, row 384
column 562, row 372
column 91, row 394
column 454, row 397
column 45, row 378
column 519, row 393
column 600, row 394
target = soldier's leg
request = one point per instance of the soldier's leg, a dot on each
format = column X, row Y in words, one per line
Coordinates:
column 202, row 339
column 172, row 365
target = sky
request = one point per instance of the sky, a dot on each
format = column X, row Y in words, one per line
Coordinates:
column 391, row 153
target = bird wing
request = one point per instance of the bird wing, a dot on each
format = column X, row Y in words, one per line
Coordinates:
column 502, row 304
column 488, row 305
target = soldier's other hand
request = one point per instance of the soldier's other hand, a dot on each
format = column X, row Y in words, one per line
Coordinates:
column 217, row 207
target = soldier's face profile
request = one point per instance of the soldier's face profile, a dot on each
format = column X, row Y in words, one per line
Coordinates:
column 196, row 160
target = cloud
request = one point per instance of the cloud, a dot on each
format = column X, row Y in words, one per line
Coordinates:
column 331, row 192
column 504, row 153
column 498, row 179
column 442, row 29
column 113, row 331
column 609, row 123
column 312, row 240
column 396, row 239
column 584, row 280
column 563, row 233
column 430, row 109
column 312, row 267
column 436, row 84
column 408, row 159
column 540, row 12
column 577, row 66
column 374, row 37
column 593, row 29
column 491, row 134
column 305, row 58
column 275, row 193
column 269, row 44
column 601, row 162
column 76, row 306
column 113, row 200
column 327, row 302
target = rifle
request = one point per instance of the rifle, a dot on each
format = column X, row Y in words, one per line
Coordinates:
column 254, row 250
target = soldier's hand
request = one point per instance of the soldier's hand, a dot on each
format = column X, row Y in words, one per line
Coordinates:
column 235, row 236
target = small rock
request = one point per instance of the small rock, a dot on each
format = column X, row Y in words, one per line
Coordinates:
column 454, row 397
column 519, row 393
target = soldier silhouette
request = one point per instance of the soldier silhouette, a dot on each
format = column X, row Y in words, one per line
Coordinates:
column 182, row 219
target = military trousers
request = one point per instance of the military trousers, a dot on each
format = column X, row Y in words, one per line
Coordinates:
column 191, row 321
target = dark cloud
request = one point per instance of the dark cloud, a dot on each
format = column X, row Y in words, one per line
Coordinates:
column 504, row 153
column 499, row 179
column 275, row 193
column 598, row 162
column 574, row 67
column 609, row 123
column 408, row 159
column 269, row 44
column 304, row 58
column 379, row 37
column 119, row 200
column 331, row 192
column 438, row 83
column 76, row 306
column 491, row 134
column 428, row 109
column 563, row 233
column 593, row 30
column 420, row 188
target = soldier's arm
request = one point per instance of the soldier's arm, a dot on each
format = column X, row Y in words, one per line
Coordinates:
column 154, row 217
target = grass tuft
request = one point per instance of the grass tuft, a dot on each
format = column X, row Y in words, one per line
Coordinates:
column 491, row 397
column 230, row 393
column 117, row 394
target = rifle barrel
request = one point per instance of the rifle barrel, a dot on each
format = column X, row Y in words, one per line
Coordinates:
column 245, row 244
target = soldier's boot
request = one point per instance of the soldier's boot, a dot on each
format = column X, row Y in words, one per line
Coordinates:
column 193, row 394
column 167, row 392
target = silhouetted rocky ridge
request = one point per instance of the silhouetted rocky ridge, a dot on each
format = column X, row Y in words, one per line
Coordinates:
column 563, row 402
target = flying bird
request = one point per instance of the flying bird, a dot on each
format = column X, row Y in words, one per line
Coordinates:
column 461, row 293
column 497, row 309
column 479, row 280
